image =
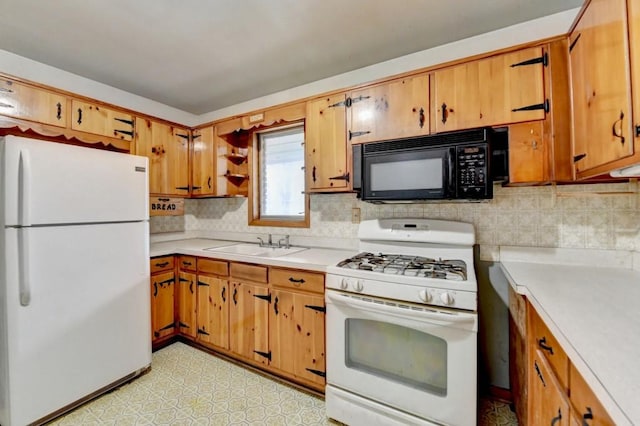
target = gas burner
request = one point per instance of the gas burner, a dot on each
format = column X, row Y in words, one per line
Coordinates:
column 415, row 266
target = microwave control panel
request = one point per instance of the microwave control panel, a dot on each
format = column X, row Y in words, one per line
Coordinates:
column 473, row 171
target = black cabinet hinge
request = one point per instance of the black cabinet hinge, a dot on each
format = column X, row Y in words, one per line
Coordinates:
column 545, row 106
column 169, row 281
column 183, row 280
column 573, row 43
column 267, row 355
column 168, row 327
column 122, row 120
column 544, row 60
column 637, row 128
column 195, row 136
column 316, row 308
column 359, row 133
column 344, row 177
column 182, row 325
column 124, row 132
column 266, row 297
column 180, row 135
column 316, row 372
column 202, row 284
column 183, row 188
column 578, row 157
column 203, row 332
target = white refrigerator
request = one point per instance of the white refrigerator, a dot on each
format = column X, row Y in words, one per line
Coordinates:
column 74, row 275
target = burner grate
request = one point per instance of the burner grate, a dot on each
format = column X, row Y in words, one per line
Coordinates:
column 415, row 266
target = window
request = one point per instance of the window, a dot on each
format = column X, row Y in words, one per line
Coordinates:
column 278, row 197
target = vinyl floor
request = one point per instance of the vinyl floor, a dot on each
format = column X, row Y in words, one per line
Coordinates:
column 189, row 387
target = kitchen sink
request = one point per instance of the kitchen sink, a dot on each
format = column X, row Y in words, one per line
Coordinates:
column 248, row 249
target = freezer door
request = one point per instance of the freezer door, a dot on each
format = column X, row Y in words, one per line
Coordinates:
column 86, row 322
column 53, row 183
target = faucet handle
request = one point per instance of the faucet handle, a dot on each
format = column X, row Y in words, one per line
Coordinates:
column 286, row 242
column 261, row 242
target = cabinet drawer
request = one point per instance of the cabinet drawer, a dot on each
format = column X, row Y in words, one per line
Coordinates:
column 187, row 263
column 302, row 280
column 586, row 406
column 214, row 267
column 164, row 263
column 248, row 272
column 21, row 101
column 542, row 339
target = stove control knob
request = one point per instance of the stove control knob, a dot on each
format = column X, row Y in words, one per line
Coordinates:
column 446, row 298
column 425, row 296
column 358, row 286
column 344, row 284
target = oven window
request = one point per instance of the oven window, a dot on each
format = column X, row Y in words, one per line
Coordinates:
column 397, row 353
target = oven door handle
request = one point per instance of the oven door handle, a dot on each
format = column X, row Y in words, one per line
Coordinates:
column 456, row 319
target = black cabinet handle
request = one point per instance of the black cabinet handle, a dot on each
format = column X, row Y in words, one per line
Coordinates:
column 58, row 110
column 542, row 343
column 185, row 263
column 421, row 118
column 445, row 113
column 191, row 286
column 235, row 296
column 587, row 416
column 209, row 182
column 313, row 173
column 155, row 289
column 615, row 132
column 557, row 418
column 275, row 306
column 79, row 115
column 224, row 294
column 296, row 281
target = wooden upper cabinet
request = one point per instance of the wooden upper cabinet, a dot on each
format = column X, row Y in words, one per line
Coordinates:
column 503, row 89
column 600, row 80
column 326, row 147
column 528, row 153
column 99, row 120
column 634, row 48
column 393, row 110
column 203, row 163
column 167, row 148
column 33, row 104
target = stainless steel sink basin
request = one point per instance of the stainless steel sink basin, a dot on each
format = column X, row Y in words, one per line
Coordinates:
column 247, row 249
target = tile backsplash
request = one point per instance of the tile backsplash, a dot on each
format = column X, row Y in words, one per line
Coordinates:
column 603, row 216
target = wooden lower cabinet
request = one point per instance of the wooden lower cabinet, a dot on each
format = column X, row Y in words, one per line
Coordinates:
column 553, row 390
column 213, row 311
column 187, row 304
column 296, row 334
column 248, row 321
column 163, row 323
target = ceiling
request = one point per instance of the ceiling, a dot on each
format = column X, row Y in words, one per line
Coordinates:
column 202, row 55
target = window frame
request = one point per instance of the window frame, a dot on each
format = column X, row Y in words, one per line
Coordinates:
column 255, row 218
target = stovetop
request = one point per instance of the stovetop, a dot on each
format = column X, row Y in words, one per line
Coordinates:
column 407, row 265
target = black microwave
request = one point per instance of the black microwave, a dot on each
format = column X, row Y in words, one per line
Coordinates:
column 446, row 166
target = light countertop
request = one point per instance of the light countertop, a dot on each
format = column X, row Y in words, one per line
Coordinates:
column 313, row 259
column 594, row 314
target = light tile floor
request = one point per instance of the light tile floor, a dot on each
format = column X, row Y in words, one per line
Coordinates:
column 190, row 387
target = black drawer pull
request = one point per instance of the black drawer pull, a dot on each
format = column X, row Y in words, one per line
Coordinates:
column 296, row 281
column 162, row 265
column 543, row 345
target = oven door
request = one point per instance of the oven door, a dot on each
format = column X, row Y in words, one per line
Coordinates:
column 418, row 360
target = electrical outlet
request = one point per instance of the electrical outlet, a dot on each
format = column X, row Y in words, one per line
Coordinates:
column 355, row 215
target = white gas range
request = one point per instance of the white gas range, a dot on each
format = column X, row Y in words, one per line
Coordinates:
column 402, row 326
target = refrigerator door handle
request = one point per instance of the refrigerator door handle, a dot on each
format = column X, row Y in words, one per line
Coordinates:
column 24, row 182
column 23, row 267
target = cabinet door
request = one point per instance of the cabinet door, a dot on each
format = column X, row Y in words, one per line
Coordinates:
column 634, row 48
column 547, row 402
column 96, row 119
column 599, row 56
column 162, row 305
column 167, row 148
column 187, row 304
column 203, row 164
column 394, row 110
column 585, row 404
column 26, row 102
column 213, row 311
column 326, row 148
column 502, row 89
column 528, row 153
column 296, row 334
column 249, row 321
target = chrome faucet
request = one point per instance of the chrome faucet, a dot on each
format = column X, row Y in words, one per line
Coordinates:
column 269, row 243
column 286, row 242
